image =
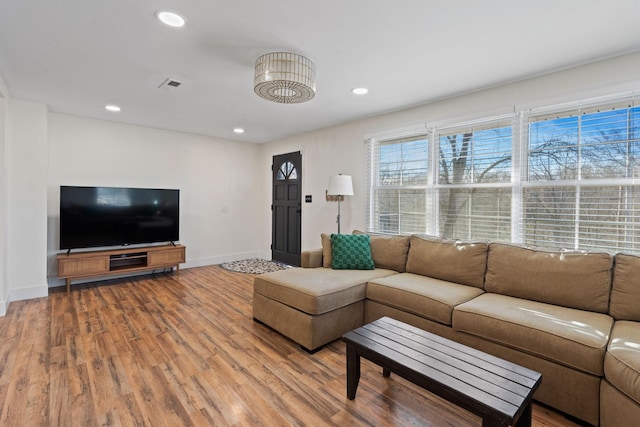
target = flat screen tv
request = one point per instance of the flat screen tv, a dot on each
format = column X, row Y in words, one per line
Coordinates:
column 112, row 216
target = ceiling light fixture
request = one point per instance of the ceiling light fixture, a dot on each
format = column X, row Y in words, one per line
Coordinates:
column 112, row 108
column 171, row 19
column 285, row 78
column 238, row 130
column 360, row 91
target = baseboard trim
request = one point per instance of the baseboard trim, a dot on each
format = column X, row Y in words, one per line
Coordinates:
column 28, row 293
column 202, row 262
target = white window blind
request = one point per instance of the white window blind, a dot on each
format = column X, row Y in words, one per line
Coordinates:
column 581, row 192
column 397, row 185
column 474, row 184
column 609, row 218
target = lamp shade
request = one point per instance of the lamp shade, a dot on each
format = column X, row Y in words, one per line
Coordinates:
column 340, row 185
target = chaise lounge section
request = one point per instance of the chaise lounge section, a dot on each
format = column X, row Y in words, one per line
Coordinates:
column 312, row 309
column 314, row 306
column 571, row 315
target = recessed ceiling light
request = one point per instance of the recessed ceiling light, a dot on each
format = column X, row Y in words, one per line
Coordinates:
column 171, row 19
column 360, row 90
column 112, row 108
column 238, row 130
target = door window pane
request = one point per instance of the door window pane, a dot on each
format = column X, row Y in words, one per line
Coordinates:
column 287, row 170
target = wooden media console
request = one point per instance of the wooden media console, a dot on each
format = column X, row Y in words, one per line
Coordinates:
column 82, row 265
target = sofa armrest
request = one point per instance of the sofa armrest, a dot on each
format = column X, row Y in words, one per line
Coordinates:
column 311, row 259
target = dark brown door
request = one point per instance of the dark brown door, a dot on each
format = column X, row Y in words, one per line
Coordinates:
column 287, row 208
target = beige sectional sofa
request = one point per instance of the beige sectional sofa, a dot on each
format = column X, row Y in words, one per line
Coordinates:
column 573, row 316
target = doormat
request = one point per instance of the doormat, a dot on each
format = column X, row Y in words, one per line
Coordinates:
column 254, row 266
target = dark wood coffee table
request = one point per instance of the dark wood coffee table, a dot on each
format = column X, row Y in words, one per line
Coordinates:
column 498, row 391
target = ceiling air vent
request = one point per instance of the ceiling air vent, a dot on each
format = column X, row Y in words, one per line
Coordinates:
column 170, row 84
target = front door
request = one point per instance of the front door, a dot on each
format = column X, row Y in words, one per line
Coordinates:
column 287, row 208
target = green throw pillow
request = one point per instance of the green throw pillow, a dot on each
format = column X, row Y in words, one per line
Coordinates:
column 351, row 252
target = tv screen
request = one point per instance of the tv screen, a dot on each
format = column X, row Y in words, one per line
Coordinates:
column 111, row 216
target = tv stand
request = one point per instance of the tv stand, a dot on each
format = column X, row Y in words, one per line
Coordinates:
column 83, row 265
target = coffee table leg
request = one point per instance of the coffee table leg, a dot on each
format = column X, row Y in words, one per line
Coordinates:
column 353, row 371
column 525, row 418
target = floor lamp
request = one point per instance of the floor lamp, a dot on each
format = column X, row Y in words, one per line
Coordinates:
column 340, row 185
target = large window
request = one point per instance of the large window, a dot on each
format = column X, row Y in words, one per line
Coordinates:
column 474, row 181
column 581, row 168
column 398, row 181
column 562, row 177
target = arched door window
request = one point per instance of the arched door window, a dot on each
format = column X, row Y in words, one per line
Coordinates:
column 287, row 171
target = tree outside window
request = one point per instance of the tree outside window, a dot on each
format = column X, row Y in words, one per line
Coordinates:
column 469, row 159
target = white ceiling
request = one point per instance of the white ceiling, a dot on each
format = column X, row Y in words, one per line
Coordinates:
column 78, row 55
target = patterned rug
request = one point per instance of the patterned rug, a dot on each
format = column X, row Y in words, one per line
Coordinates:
column 254, row 266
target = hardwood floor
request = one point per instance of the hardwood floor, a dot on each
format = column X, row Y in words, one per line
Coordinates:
column 171, row 350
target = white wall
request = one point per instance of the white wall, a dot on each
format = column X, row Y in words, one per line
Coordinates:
column 3, row 205
column 324, row 153
column 25, row 233
column 216, row 178
column 340, row 149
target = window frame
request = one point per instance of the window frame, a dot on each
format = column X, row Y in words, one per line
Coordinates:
column 374, row 186
column 580, row 182
column 469, row 127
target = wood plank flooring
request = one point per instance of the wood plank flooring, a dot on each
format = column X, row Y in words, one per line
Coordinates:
column 171, row 350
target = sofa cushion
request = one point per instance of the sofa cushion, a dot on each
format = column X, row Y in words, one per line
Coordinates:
column 625, row 294
column 388, row 252
column 326, row 250
column 421, row 295
column 311, row 258
column 580, row 280
column 451, row 260
column 316, row 290
column 574, row 338
column 351, row 252
column 622, row 362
